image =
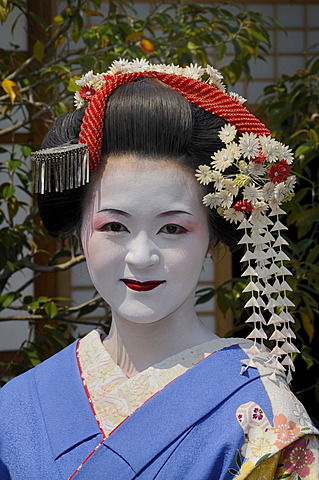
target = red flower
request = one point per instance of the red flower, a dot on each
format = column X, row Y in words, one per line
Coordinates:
column 87, row 92
column 279, row 172
column 243, row 206
column 297, row 458
column 260, row 159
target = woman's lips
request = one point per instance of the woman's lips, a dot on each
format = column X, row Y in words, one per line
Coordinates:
column 141, row 286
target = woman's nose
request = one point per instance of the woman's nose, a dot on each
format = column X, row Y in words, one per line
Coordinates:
column 142, row 252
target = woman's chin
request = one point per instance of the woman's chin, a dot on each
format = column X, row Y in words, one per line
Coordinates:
column 141, row 315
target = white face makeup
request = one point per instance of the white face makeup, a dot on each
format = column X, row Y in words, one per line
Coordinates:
column 145, row 235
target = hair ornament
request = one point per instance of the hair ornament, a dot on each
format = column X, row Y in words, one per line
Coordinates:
column 250, row 178
column 61, row 168
column 257, row 169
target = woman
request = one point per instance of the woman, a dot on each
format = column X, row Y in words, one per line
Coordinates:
column 161, row 396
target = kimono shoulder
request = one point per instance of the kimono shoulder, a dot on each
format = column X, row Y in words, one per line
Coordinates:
column 43, row 414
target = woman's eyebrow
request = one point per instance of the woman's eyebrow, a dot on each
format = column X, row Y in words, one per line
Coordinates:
column 173, row 212
column 114, row 210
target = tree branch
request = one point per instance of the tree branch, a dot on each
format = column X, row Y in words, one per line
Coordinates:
column 24, row 318
column 50, row 42
column 26, row 263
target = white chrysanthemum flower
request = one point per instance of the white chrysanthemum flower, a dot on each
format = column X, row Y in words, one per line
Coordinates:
column 269, row 148
column 211, row 200
column 193, row 71
column 138, row 65
column 230, row 186
column 86, row 79
column 256, row 169
column 237, row 97
column 268, row 191
column 285, row 153
column 252, row 194
column 204, row 174
column 91, row 80
column 227, row 133
column 215, row 82
column 159, row 67
column 290, row 182
column 213, row 72
column 118, row 66
column 174, row 69
column 215, row 78
column 234, row 149
column 232, row 215
column 222, row 159
column 78, row 100
column 260, row 208
column 281, row 191
column 249, row 145
column 218, row 179
column 226, row 198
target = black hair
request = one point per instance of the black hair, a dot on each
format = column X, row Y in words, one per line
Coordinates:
column 150, row 120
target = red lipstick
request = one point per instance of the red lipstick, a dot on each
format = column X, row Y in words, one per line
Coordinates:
column 141, row 286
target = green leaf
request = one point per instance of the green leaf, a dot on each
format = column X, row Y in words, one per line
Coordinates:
column 72, row 86
column 58, row 20
column 60, row 108
column 306, row 315
column 90, row 38
column 26, row 150
column 56, row 68
column 8, row 191
column 13, row 207
column 307, row 358
column 38, row 50
column 305, row 147
column 14, row 165
column 38, row 19
column 233, row 471
column 51, row 309
column 204, row 297
column 32, row 357
column 263, row 458
column 7, row 299
column 11, row 266
column 92, row 13
column 238, row 459
column 34, row 306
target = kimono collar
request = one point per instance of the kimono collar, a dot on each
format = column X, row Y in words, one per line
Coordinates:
column 66, row 410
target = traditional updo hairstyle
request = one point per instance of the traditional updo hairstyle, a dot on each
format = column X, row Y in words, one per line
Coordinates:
column 151, row 121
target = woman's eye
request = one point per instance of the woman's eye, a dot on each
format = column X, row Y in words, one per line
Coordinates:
column 115, row 227
column 173, row 229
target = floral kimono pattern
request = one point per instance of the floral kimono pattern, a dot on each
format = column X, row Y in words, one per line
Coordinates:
column 270, row 451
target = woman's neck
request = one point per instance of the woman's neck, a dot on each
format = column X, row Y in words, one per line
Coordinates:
column 135, row 347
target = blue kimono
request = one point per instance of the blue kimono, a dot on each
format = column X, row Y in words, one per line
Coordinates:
column 190, row 430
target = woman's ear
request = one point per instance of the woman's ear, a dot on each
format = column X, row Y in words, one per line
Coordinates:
column 210, row 249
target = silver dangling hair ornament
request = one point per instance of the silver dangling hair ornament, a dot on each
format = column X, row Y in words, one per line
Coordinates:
column 60, row 168
column 261, row 178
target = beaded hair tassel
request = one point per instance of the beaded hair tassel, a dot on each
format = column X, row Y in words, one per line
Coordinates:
column 249, row 194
